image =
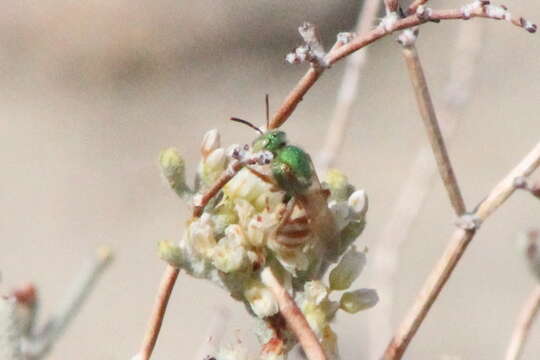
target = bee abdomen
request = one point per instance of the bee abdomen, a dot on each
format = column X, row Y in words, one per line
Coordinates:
column 294, row 233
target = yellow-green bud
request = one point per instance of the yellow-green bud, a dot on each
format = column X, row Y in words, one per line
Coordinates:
column 170, row 253
column 338, row 184
column 354, row 301
column 348, row 269
column 174, row 169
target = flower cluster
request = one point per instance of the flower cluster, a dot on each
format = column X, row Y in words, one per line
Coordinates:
column 252, row 225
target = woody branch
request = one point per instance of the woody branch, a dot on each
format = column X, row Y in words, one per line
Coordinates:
column 482, row 9
column 458, row 243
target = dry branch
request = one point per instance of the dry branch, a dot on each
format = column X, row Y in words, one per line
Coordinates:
column 422, row 15
column 296, row 321
column 415, row 188
column 455, row 249
column 427, row 112
column 158, row 312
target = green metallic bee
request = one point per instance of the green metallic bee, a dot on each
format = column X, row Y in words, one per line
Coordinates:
column 293, row 171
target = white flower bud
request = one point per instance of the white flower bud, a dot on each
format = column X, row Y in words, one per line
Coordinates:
column 358, row 202
column 354, row 301
column 261, row 300
column 211, row 141
column 348, row 269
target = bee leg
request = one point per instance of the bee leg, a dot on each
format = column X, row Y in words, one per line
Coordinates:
column 266, row 178
column 287, row 214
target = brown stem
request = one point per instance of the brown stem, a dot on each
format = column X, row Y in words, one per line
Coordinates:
column 391, row 5
column 160, row 305
column 523, row 325
column 296, row 321
column 227, row 175
column 414, row 5
column 427, row 112
column 414, row 189
column 455, row 249
column 309, row 79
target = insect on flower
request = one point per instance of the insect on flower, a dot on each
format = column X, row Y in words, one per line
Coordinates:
column 293, row 172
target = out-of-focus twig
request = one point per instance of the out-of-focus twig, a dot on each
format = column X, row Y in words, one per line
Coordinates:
column 429, row 117
column 414, row 5
column 348, row 89
column 10, row 331
column 37, row 345
column 391, row 5
column 523, row 325
column 296, row 321
column 422, row 15
column 455, row 249
column 156, row 318
column 417, row 184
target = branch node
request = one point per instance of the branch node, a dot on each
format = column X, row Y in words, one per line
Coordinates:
column 469, row 222
column 388, row 22
column 345, row 37
column 311, row 51
column 408, row 37
column 527, row 25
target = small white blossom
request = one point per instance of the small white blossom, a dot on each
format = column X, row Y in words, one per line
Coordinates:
column 260, row 299
column 200, row 236
column 229, row 254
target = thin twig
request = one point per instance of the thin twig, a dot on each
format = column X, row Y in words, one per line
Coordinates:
column 38, row 345
column 427, row 112
column 232, row 170
column 455, row 249
column 296, row 321
column 415, row 188
column 421, row 16
column 414, row 5
column 158, row 312
column 348, row 90
column 523, row 325
column 391, row 5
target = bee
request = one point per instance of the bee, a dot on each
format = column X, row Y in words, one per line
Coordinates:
column 293, row 172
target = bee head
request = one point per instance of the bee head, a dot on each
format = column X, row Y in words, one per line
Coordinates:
column 271, row 141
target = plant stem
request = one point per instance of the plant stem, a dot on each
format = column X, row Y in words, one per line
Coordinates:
column 455, row 249
column 296, row 321
column 309, row 79
column 38, row 346
column 427, row 112
column 414, row 189
column 160, row 305
column 523, row 325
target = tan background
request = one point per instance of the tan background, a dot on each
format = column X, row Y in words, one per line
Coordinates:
column 92, row 91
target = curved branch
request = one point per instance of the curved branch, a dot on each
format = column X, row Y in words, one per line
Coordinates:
column 422, row 15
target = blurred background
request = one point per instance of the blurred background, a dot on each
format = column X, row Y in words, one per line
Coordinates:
column 92, row 91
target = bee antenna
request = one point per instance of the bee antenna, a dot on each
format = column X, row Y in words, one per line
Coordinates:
column 245, row 122
column 267, row 99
